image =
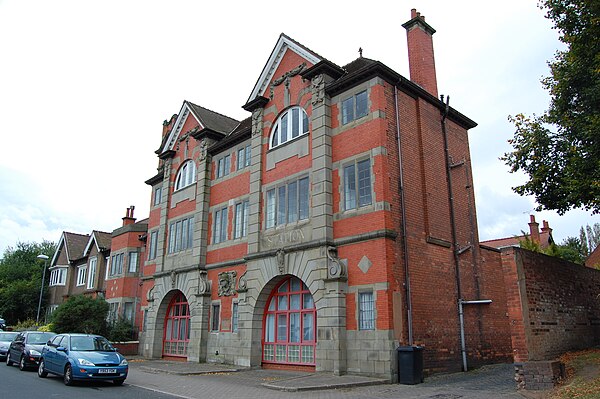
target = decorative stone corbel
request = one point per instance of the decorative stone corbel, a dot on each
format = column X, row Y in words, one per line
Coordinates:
column 257, row 121
column 318, row 89
column 242, row 283
column 336, row 267
column 203, row 283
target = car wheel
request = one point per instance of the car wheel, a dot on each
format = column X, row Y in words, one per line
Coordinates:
column 42, row 373
column 8, row 361
column 119, row 382
column 68, row 377
column 22, row 364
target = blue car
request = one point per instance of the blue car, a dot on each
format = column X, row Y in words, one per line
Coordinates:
column 78, row 357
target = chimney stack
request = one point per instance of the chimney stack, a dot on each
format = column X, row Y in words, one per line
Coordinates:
column 129, row 219
column 534, row 232
column 421, row 61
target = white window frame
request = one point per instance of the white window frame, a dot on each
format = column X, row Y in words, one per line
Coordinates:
column 81, row 275
column 92, row 272
column 58, row 276
column 350, row 110
column 366, row 310
column 223, row 166
column 186, row 176
column 354, row 183
column 132, row 259
column 285, row 130
column 220, row 220
column 240, row 223
column 116, row 264
column 278, row 203
column 244, row 157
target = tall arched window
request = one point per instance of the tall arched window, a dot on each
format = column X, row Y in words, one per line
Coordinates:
column 177, row 327
column 291, row 124
column 290, row 322
column 186, row 175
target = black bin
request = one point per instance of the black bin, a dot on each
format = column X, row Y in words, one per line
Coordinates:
column 410, row 365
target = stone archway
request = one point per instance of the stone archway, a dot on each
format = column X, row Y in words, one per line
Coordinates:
column 176, row 328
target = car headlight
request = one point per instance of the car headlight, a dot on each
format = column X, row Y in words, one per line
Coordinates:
column 84, row 362
column 123, row 362
column 33, row 352
column 2, row 346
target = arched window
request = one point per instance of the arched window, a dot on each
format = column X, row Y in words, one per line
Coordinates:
column 186, row 175
column 291, row 124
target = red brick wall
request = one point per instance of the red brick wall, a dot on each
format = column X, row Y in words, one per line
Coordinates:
column 553, row 304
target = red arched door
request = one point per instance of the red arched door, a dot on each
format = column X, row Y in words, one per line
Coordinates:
column 290, row 323
column 177, row 327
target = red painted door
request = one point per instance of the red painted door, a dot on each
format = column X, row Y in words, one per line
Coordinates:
column 177, row 327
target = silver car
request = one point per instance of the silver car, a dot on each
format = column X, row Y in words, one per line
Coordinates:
column 6, row 337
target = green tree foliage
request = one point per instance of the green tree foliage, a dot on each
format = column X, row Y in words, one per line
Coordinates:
column 20, row 280
column 560, row 150
column 82, row 314
column 120, row 331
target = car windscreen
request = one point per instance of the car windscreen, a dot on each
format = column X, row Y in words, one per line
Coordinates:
column 99, row 344
column 8, row 336
column 38, row 338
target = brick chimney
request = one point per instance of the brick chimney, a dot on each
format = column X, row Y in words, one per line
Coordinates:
column 534, row 232
column 421, row 61
column 546, row 227
column 129, row 219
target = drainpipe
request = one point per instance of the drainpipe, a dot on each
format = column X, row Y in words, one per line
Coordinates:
column 455, row 246
column 404, row 234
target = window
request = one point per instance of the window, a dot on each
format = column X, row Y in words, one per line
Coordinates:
column 157, row 195
column 287, row 203
column 357, row 184
column 223, row 166
column 128, row 311
column 366, row 311
column 81, row 275
column 214, row 325
column 116, row 265
column 244, row 157
column 234, row 317
column 291, row 124
column 186, row 175
column 113, row 309
column 220, row 226
column 241, row 219
column 92, row 273
column 181, row 234
column 153, row 245
column 58, row 276
column 354, row 107
column 133, row 259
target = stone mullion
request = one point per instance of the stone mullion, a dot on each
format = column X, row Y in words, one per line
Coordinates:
column 200, row 241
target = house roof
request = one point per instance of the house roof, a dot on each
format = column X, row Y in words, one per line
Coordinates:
column 242, row 132
column 72, row 243
column 594, row 259
column 101, row 239
column 545, row 240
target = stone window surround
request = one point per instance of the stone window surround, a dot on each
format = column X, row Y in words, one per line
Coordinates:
column 246, row 147
column 157, row 195
column 339, row 166
column 171, row 223
column 354, row 106
column 234, row 303
column 185, row 164
column 214, row 210
column 354, row 161
column 153, row 244
column 226, row 171
column 236, row 202
column 213, row 305
column 350, row 93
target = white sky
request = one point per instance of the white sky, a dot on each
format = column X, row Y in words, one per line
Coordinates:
column 85, row 87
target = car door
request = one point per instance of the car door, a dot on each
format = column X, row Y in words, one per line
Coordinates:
column 16, row 347
column 61, row 358
column 50, row 353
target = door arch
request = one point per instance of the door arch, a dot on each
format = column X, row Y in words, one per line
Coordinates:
column 289, row 325
column 177, row 327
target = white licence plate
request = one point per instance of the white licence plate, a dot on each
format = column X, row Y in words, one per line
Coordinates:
column 107, row 371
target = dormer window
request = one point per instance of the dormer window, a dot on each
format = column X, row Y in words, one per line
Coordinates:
column 291, row 124
column 186, row 175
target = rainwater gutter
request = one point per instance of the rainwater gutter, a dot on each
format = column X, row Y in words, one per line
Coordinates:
column 404, row 234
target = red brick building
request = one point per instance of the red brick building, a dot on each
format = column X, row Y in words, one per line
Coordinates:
column 330, row 226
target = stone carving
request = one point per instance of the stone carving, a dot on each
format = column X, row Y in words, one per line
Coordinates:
column 203, row 147
column 318, row 89
column 281, row 260
column 242, row 283
column 203, row 283
column 335, row 266
column 227, row 283
column 257, row 122
column 285, row 77
column 150, row 294
column 173, row 279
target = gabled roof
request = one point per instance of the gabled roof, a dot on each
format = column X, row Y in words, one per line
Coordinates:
column 242, row 132
column 206, row 118
column 99, row 238
column 515, row 241
column 283, row 44
column 73, row 245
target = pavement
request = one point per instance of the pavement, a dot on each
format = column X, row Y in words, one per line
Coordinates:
column 210, row 380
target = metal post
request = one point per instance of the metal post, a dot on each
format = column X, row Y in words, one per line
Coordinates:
column 37, row 319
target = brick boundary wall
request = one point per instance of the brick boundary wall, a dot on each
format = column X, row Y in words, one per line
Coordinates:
column 128, row 348
column 541, row 375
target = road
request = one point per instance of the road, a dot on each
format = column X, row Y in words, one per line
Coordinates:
column 15, row 383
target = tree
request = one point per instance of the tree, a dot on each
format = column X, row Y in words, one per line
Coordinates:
column 20, row 280
column 560, row 150
column 82, row 314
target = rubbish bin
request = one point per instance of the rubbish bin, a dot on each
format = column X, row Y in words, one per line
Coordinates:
column 410, row 365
